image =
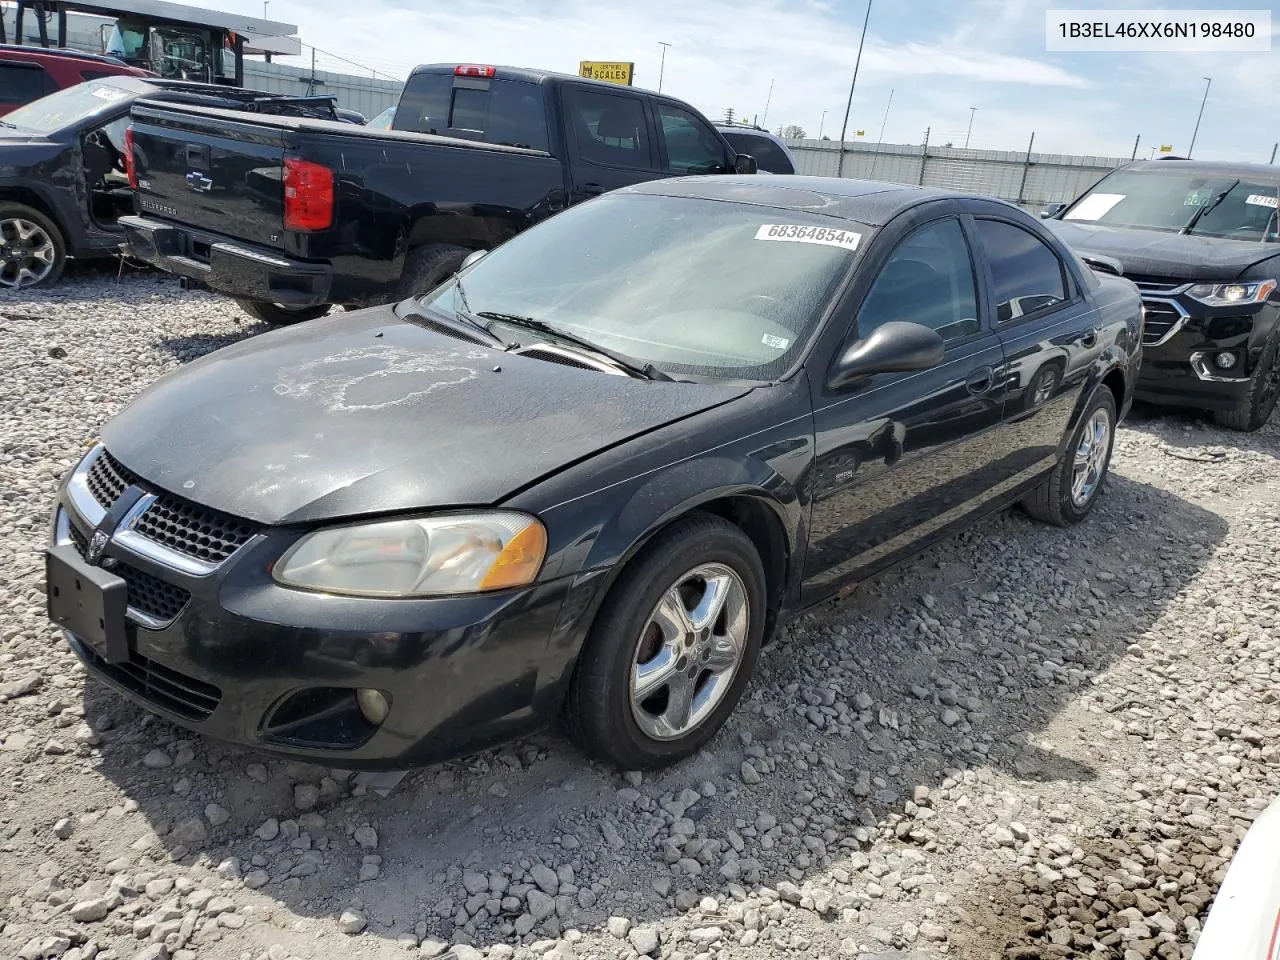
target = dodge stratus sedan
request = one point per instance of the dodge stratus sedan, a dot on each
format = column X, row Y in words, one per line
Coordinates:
column 587, row 478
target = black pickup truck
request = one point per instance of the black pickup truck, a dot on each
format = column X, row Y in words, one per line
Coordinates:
column 290, row 216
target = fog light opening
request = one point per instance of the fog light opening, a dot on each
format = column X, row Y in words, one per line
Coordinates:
column 373, row 704
column 1225, row 360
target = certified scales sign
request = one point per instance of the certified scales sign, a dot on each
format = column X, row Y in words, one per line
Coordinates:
column 608, row 70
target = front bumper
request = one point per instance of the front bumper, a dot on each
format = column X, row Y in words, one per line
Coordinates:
column 234, row 656
column 1178, row 369
column 227, row 266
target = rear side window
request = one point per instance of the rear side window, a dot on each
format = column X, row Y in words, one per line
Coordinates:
column 1027, row 274
column 506, row 112
column 692, row 146
column 769, row 156
column 610, row 130
column 22, row 83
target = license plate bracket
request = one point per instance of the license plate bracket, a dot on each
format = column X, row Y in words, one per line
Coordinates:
column 88, row 601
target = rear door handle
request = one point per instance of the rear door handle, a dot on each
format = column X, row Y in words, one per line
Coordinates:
column 980, row 380
column 1088, row 338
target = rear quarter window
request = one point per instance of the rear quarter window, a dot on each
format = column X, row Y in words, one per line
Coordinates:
column 769, row 156
column 24, row 82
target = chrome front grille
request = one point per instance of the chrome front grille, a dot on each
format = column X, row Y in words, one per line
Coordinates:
column 166, row 528
column 1161, row 320
column 154, row 602
column 1161, row 285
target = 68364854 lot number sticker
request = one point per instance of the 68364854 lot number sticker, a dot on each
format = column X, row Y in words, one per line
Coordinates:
column 801, row 233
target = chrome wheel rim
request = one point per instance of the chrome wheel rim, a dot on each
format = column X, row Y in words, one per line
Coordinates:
column 27, row 253
column 1091, row 457
column 689, row 652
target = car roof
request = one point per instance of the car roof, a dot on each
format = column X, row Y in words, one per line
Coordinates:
column 867, row 201
column 1262, row 171
column 62, row 53
column 534, row 75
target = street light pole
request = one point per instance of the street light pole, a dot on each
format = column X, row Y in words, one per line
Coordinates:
column 662, row 68
column 824, row 120
column 972, row 111
column 849, row 106
column 1207, row 81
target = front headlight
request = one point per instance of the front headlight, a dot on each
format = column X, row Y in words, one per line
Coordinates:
column 1232, row 294
column 419, row 557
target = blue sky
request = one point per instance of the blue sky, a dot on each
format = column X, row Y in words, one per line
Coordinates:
column 940, row 58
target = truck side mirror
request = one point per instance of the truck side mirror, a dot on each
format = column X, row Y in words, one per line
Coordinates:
column 1052, row 210
column 744, row 163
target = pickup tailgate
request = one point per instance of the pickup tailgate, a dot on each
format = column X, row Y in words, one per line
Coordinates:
column 208, row 172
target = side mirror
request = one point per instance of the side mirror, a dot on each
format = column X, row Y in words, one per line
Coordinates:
column 744, row 163
column 1052, row 210
column 474, row 256
column 893, row 347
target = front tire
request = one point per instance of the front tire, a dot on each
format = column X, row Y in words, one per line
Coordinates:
column 1071, row 490
column 672, row 648
column 33, row 252
column 279, row 315
column 1255, row 407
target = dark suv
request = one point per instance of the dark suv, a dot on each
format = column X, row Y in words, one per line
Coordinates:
column 29, row 73
column 1201, row 241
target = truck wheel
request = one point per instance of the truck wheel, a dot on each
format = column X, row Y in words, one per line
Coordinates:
column 278, row 315
column 1069, row 493
column 32, row 251
column 1254, row 408
column 425, row 268
column 671, row 649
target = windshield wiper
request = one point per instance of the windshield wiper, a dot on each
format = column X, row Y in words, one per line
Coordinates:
column 1195, row 217
column 646, row 370
column 462, row 319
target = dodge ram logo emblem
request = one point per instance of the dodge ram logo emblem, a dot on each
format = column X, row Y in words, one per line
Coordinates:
column 97, row 544
column 199, row 182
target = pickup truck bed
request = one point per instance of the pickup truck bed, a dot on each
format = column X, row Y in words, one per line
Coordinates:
column 302, row 213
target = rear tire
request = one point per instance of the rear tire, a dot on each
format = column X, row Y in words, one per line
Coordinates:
column 681, row 627
column 1255, row 407
column 278, row 315
column 33, row 251
column 1071, row 490
column 425, row 268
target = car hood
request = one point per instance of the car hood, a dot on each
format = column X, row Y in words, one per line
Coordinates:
column 1154, row 253
column 365, row 413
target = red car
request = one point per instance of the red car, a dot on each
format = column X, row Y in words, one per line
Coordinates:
column 29, row 73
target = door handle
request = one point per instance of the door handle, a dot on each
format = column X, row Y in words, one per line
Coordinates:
column 1088, row 338
column 980, row 380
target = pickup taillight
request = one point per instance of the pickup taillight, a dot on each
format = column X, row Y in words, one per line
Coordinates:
column 130, row 168
column 308, row 195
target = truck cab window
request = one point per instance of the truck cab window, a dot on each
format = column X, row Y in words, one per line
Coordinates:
column 506, row 112
column 610, row 129
column 692, row 146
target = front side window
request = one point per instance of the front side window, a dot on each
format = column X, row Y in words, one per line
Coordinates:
column 697, row 287
column 610, row 130
column 692, row 146
column 927, row 280
column 1026, row 273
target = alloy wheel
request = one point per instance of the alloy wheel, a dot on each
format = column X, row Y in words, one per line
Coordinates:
column 27, row 253
column 1091, row 457
column 689, row 651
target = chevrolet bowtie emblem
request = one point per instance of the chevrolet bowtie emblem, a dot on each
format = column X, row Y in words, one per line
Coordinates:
column 199, row 182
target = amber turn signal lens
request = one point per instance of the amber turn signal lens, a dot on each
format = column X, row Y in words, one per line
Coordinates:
column 519, row 561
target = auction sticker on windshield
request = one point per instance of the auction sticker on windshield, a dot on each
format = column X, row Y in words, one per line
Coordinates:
column 1094, row 206
column 1263, row 200
column 798, row 233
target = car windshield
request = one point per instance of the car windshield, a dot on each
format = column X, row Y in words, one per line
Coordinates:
column 60, row 110
column 1234, row 208
column 700, row 287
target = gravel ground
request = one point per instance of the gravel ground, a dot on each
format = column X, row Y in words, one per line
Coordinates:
column 1030, row 742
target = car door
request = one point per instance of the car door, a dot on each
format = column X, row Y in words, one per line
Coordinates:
column 689, row 145
column 1047, row 327
column 611, row 143
column 902, row 457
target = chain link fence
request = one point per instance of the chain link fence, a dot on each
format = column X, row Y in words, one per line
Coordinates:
column 1028, row 179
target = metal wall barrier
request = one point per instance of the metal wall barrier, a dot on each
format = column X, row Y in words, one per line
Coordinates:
column 1028, row 179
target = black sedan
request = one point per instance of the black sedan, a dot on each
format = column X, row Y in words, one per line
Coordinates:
column 590, row 476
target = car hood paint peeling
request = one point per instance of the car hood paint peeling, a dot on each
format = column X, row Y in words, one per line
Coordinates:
column 1172, row 255
column 365, row 413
